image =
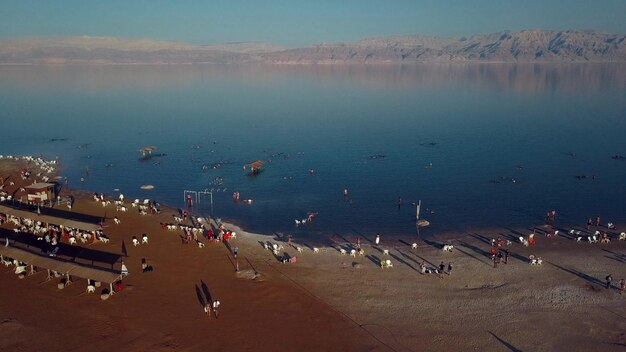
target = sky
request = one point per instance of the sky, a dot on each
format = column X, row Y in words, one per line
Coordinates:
column 294, row 23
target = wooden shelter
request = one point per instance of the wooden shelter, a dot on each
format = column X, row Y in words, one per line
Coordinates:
column 40, row 193
column 254, row 167
column 65, row 268
column 147, row 150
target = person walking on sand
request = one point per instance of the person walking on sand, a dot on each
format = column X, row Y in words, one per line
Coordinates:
column 506, row 256
column 207, row 309
column 442, row 268
column 494, row 257
column 216, row 305
column 377, row 241
column 449, row 268
column 608, row 279
column 235, row 251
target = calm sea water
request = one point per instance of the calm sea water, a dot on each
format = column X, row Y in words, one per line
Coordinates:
column 372, row 129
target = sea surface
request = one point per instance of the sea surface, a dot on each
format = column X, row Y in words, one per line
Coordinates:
column 480, row 145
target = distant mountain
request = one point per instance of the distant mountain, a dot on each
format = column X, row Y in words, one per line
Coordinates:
column 522, row 46
column 109, row 50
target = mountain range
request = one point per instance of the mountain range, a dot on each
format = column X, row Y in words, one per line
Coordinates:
column 506, row 46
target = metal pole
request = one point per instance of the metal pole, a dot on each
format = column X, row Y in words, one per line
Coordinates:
column 417, row 210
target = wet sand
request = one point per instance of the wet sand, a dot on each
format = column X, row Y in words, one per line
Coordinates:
column 326, row 301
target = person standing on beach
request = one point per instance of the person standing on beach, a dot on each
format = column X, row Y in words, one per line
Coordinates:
column 423, row 267
column 494, row 257
column 442, row 268
column 598, row 220
column 207, row 309
column 216, row 305
column 506, row 256
column 377, row 241
column 235, row 251
column 622, row 285
column 449, row 268
column 608, row 279
column 588, row 223
column 358, row 243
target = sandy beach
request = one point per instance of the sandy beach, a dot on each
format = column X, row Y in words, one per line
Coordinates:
column 326, row 301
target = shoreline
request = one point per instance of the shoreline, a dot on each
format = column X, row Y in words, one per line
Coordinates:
column 328, row 300
column 328, row 240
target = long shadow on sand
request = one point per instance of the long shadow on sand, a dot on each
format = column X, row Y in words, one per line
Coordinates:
column 405, row 243
column 205, row 290
column 408, row 257
column 361, row 235
column 519, row 257
column 200, row 296
column 580, row 274
column 426, row 261
column 374, row 259
column 475, row 249
column 402, row 261
column 616, row 256
column 433, row 244
column 505, row 344
column 481, row 238
column 341, row 237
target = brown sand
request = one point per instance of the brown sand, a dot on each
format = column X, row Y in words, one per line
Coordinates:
column 326, row 301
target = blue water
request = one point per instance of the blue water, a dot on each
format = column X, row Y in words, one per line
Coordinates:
column 474, row 123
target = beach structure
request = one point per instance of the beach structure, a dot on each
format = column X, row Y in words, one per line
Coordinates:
column 41, row 193
column 254, row 168
column 145, row 151
column 67, row 269
column 56, row 220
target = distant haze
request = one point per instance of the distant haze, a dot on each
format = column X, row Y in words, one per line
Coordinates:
column 504, row 46
column 300, row 23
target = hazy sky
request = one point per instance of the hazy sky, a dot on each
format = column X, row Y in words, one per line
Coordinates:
column 300, row 22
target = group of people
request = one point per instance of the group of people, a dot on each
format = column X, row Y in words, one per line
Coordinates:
column 442, row 268
column 498, row 256
column 49, row 233
column 551, row 217
column 214, row 308
column 589, row 222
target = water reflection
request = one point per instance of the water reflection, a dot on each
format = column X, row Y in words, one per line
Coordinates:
column 524, row 78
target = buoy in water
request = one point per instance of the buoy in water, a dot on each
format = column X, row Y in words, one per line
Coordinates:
column 147, row 187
